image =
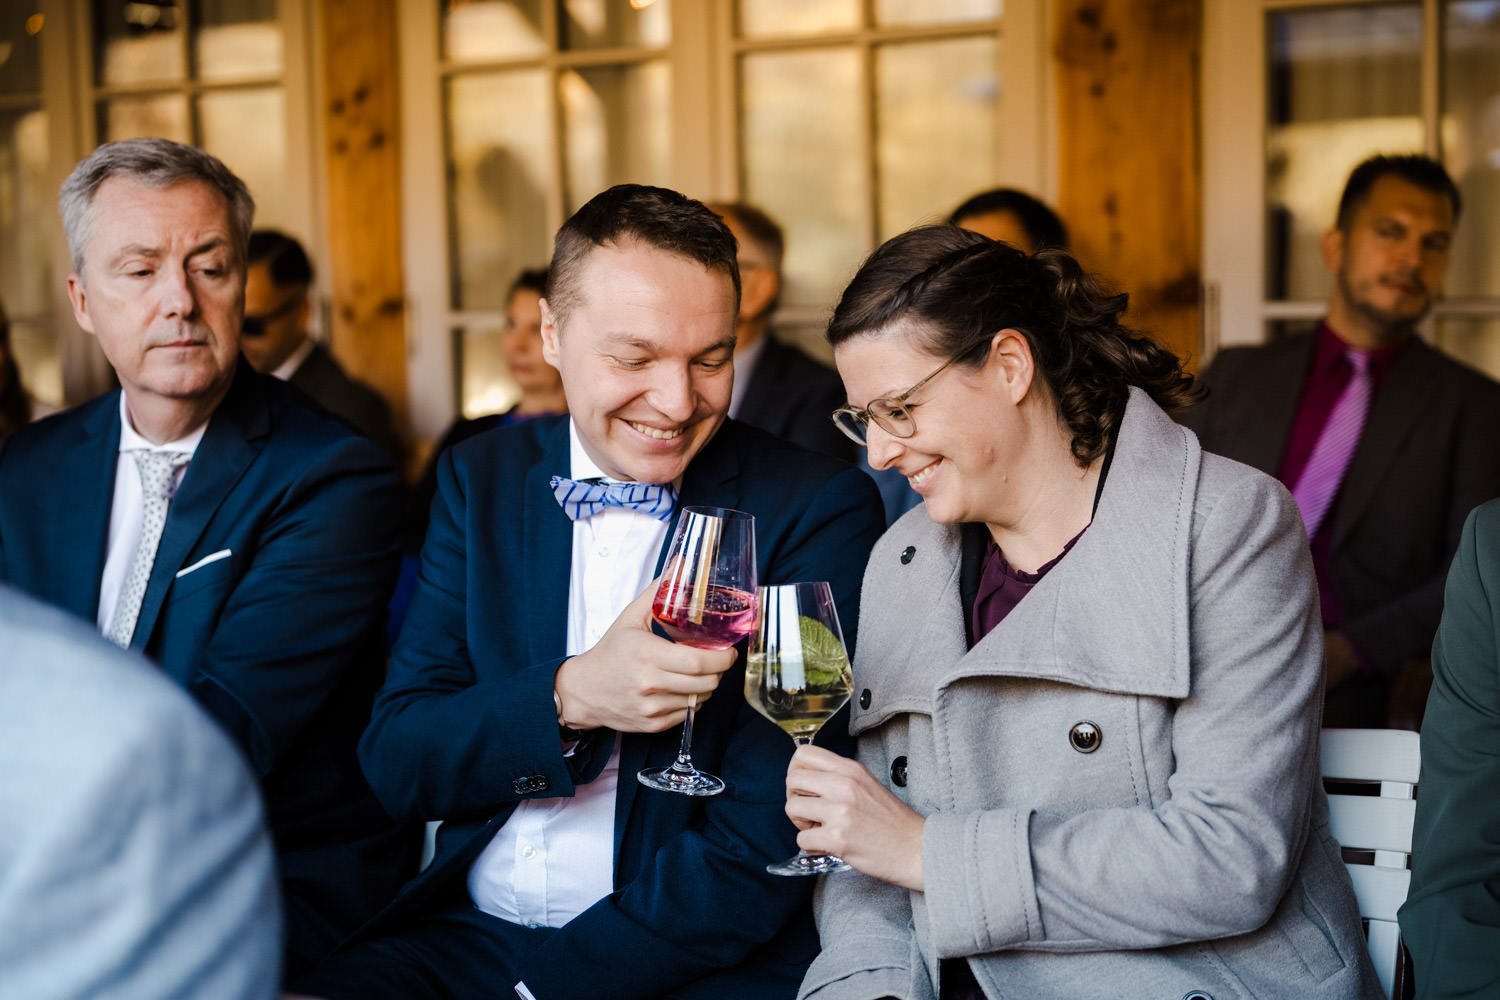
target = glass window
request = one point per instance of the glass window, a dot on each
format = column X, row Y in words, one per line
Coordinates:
column 138, row 42
column 485, row 382
column 258, row 155
column 20, row 53
column 801, row 163
column 165, row 115
column 500, row 167
column 608, row 24
column 935, row 105
column 236, row 38
column 911, row 12
column 792, row 18
column 28, row 220
column 478, row 30
column 1471, row 142
column 1342, row 84
column 617, row 128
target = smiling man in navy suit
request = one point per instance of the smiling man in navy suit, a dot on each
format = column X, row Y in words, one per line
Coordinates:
column 527, row 688
column 202, row 515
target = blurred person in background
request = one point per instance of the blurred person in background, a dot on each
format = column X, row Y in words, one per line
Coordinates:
column 1013, row 217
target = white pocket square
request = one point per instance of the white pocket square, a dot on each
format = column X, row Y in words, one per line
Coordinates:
column 221, row 554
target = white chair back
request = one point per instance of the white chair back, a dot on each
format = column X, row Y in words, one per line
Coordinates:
column 1387, row 761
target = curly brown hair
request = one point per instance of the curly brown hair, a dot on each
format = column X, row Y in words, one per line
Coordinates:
column 960, row 289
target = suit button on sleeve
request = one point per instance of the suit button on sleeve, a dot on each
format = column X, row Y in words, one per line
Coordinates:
column 531, row 784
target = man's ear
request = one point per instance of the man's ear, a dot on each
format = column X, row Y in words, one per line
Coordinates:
column 549, row 334
column 78, row 296
column 1332, row 246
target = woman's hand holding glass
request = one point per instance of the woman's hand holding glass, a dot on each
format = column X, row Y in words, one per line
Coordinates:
column 841, row 808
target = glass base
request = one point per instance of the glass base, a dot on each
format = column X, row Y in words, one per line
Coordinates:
column 683, row 781
column 810, row 864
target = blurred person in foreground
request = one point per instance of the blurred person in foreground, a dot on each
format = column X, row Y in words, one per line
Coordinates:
column 527, row 688
column 1385, row 442
column 1089, row 676
column 204, row 515
column 1451, row 919
column 135, row 863
column 276, row 338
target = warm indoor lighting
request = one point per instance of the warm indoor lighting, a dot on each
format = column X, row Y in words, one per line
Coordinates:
column 641, row 4
column 34, row 24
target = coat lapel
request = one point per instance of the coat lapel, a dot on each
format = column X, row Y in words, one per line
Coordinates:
column 1408, row 392
column 547, row 550
column 235, row 436
column 85, row 473
column 1281, row 390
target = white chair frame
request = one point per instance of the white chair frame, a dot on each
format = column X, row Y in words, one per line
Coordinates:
column 1380, row 823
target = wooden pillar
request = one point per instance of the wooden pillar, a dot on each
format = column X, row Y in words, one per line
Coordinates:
column 1128, row 173
column 360, row 82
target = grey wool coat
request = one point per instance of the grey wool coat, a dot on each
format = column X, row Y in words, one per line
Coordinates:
column 1188, row 849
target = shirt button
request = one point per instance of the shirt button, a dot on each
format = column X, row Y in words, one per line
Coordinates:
column 604, row 552
column 528, row 852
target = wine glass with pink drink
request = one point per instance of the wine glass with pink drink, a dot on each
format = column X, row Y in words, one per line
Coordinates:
column 707, row 598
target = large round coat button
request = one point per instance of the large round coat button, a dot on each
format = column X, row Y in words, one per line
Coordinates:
column 1197, row 995
column 907, row 554
column 864, row 698
column 1086, row 737
column 898, row 772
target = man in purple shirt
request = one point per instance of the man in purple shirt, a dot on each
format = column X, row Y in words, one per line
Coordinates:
column 1386, row 443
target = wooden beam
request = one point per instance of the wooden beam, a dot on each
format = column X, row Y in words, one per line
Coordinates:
column 1128, row 170
column 362, row 129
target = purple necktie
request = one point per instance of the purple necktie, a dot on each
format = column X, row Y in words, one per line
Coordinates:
column 1320, row 479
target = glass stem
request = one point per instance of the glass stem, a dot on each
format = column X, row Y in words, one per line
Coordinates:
column 684, row 762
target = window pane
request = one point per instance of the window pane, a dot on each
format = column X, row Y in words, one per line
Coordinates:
column 257, row 153
column 935, row 108
column 499, row 168
column 36, row 357
column 137, row 42
column 165, row 115
column 485, row 382
column 1473, row 340
column 1343, row 83
column 604, row 24
column 802, row 163
column 617, row 128
column 234, row 38
column 790, row 18
column 1471, row 141
column 492, row 29
column 898, row 12
column 20, row 51
column 28, row 213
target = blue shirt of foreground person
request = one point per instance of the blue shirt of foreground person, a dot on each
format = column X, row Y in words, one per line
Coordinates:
column 135, row 863
column 556, row 872
column 1451, row 920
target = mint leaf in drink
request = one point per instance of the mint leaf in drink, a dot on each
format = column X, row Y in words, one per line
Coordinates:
column 823, row 655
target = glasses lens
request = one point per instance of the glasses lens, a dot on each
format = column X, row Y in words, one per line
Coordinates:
column 849, row 422
column 893, row 418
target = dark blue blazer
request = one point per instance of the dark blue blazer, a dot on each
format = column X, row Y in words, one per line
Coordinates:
column 281, row 639
column 465, row 727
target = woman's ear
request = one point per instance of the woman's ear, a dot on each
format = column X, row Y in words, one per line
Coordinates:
column 1010, row 355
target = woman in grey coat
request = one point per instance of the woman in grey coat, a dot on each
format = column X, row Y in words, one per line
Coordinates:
column 1088, row 684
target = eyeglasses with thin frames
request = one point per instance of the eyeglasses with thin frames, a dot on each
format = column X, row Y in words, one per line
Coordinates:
column 890, row 413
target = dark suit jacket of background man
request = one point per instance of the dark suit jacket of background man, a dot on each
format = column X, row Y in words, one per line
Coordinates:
column 281, row 639
column 465, row 727
column 1430, row 453
column 324, row 379
column 793, row 397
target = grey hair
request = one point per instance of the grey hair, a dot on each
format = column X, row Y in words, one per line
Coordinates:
column 156, row 163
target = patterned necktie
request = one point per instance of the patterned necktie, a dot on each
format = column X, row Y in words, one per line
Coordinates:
column 587, row 498
column 1320, row 479
column 156, row 469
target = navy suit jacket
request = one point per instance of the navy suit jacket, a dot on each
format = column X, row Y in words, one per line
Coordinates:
column 266, row 602
column 1429, row 454
column 465, row 727
column 793, row 396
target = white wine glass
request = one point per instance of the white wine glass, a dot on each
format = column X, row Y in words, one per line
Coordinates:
column 706, row 599
column 798, row 676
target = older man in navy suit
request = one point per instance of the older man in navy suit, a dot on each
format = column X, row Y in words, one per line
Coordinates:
column 527, row 688
column 204, row 516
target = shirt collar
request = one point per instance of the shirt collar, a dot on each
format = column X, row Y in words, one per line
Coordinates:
column 288, row 368
column 1330, row 347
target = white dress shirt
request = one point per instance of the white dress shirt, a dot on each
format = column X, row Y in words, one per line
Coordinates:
column 288, row 368
column 554, row 858
column 128, row 508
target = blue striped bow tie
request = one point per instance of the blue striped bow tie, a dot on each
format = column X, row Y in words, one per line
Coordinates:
column 585, row 499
